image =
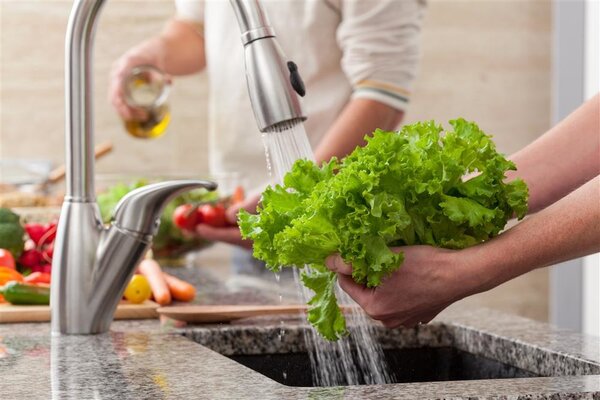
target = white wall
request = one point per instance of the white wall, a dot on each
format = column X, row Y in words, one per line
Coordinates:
column 591, row 264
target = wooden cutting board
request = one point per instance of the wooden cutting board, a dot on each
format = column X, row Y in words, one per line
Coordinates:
column 226, row 313
column 125, row 310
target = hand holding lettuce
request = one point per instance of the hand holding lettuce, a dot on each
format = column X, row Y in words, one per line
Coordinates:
column 404, row 188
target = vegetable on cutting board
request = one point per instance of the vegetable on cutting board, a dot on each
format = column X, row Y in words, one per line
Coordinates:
column 19, row 293
column 138, row 290
column 160, row 291
column 7, row 259
column 8, row 275
column 11, row 232
column 38, row 277
column 180, row 289
column 165, row 287
column 418, row 186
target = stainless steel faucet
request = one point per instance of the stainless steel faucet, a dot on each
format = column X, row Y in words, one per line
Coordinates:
column 92, row 264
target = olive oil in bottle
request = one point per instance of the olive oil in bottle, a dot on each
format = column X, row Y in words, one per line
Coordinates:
column 146, row 88
column 152, row 127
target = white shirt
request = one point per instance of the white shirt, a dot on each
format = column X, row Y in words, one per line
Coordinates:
column 344, row 49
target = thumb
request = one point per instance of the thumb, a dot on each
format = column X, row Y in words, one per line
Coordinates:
column 231, row 213
column 335, row 263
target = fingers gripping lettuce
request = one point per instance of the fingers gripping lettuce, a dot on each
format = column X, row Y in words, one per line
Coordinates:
column 402, row 188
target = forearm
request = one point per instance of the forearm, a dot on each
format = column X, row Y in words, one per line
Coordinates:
column 360, row 117
column 177, row 50
column 562, row 159
column 567, row 229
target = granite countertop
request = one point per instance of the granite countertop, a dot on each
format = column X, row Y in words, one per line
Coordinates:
column 147, row 360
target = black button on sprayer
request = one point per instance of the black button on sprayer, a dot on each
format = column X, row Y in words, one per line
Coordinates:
column 296, row 79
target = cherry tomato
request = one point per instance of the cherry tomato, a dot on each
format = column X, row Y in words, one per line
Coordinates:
column 213, row 215
column 186, row 217
column 7, row 259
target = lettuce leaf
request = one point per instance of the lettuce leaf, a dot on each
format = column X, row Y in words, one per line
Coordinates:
column 402, row 188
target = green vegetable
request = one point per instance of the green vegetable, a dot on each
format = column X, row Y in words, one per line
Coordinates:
column 11, row 232
column 24, row 294
column 169, row 240
column 402, row 188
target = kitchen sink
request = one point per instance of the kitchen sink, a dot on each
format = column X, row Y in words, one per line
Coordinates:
column 420, row 364
column 435, row 352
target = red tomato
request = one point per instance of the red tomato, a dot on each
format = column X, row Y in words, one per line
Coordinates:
column 7, row 259
column 213, row 215
column 186, row 217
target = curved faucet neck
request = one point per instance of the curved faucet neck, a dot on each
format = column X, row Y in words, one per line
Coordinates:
column 79, row 106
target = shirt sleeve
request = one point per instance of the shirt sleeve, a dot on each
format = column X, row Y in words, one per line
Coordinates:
column 191, row 11
column 380, row 41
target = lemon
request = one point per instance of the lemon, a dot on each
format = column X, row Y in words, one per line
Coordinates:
column 138, row 290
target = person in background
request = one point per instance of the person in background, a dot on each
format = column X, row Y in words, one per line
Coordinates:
column 358, row 59
column 562, row 170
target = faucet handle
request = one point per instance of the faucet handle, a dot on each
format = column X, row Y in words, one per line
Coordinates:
column 140, row 209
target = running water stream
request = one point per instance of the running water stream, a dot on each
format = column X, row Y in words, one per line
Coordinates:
column 353, row 360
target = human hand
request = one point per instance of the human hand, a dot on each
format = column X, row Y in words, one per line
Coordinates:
column 148, row 53
column 230, row 234
column 429, row 280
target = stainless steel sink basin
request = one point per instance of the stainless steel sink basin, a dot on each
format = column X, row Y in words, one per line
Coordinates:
column 429, row 353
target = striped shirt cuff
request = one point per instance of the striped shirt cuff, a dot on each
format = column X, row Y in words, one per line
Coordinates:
column 386, row 93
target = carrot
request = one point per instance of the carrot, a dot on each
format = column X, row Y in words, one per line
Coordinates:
column 151, row 270
column 181, row 290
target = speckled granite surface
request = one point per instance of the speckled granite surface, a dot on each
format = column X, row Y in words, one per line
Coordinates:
column 142, row 360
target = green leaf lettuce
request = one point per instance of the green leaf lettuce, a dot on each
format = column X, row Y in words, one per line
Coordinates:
column 402, row 188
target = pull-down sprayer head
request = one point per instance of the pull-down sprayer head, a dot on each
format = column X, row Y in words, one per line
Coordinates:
column 273, row 83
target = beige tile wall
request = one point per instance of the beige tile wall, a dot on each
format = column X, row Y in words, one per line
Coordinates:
column 485, row 60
